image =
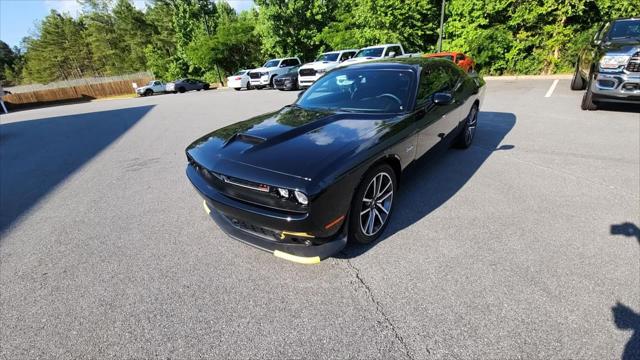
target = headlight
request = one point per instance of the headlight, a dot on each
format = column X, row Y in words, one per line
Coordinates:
column 321, row 71
column 264, row 74
column 614, row 61
column 302, row 198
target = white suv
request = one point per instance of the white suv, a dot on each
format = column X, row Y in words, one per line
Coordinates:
column 263, row 76
column 310, row 72
column 374, row 53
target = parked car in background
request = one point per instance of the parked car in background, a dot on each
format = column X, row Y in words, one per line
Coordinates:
column 239, row 80
column 609, row 67
column 288, row 81
column 465, row 62
column 310, row 72
column 298, row 182
column 152, row 87
column 374, row 53
column 183, row 85
column 263, row 76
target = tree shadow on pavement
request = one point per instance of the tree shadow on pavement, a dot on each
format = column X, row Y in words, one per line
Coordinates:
column 37, row 155
column 440, row 174
column 623, row 316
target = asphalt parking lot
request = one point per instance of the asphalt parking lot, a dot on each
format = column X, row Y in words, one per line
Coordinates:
column 522, row 246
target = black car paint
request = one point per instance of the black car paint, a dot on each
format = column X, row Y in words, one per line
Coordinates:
column 324, row 154
column 288, row 81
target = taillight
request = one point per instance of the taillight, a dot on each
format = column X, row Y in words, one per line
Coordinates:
column 238, row 78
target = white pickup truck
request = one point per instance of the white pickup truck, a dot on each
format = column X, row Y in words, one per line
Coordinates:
column 310, row 72
column 263, row 76
column 374, row 53
column 153, row 87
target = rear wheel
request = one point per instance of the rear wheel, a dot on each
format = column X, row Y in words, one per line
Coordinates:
column 588, row 99
column 372, row 205
column 148, row 92
column 181, row 90
column 577, row 82
column 465, row 138
column 205, row 87
column 249, row 87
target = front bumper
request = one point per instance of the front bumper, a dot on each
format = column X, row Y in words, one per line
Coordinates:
column 617, row 87
column 285, row 85
column 285, row 236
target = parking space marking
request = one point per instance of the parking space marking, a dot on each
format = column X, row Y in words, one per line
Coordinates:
column 552, row 88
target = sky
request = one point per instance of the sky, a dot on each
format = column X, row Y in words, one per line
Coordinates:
column 18, row 18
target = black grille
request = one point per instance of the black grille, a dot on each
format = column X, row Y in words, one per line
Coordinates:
column 254, row 75
column 634, row 63
column 278, row 81
column 307, row 72
column 254, row 229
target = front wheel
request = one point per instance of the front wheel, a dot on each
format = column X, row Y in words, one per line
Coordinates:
column 577, row 82
column 588, row 99
column 372, row 205
column 148, row 92
column 465, row 138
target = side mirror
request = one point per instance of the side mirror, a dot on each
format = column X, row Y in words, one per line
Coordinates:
column 597, row 42
column 392, row 54
column 442, row 98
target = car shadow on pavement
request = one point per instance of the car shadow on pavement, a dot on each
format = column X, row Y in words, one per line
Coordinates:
column 623, row 316
column 436, row 177
column 39, row 154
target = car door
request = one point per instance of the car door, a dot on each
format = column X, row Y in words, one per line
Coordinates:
column 435, row 121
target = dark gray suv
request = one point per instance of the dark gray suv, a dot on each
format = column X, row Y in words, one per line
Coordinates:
column 183, row 85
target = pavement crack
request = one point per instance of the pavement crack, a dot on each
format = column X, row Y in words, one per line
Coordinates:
column 380, row 309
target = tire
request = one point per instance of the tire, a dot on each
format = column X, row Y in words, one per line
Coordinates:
column 271, row 84
column 259, row 87
column 466, row 136
column 588, row 99
column 148, row 92
column 205, row 87
column 577, row 82
column 365, row 217
column 237, row 89
column 181, row 90
column 249, row 86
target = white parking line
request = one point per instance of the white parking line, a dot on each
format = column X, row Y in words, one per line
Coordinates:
column 553, row 87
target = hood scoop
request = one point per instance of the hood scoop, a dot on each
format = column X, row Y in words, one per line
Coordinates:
column 245, row 138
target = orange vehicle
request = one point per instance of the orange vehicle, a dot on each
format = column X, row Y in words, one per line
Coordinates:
column 465, row 62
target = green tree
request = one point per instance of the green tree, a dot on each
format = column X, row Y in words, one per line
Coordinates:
column 11, row 62
column 292, row 27
column 60, row 51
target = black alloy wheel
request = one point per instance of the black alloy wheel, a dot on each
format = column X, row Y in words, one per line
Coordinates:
column 465, row 138
column 372, row 205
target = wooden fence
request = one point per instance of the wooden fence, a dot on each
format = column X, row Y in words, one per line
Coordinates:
column 84, row 92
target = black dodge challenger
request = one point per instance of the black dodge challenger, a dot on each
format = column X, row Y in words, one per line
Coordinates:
column 301, row 181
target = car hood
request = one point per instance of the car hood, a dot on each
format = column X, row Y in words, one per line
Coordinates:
column 264, row 69
column 287, row 76
column 292, row 141
column 622, row 47
column 142, row 88
column 317, row 65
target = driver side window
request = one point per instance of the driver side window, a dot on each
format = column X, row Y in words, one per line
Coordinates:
column 433, row 79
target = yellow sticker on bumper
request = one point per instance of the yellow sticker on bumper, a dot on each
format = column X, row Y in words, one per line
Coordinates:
column 297, row 259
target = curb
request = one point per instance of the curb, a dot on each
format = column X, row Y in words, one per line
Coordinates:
column 529, row 77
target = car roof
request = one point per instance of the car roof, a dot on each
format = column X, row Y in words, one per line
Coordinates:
column 380, row 45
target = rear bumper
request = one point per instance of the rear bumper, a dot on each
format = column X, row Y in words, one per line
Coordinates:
column 288, row 237
column 235, row 84
column 617, row 87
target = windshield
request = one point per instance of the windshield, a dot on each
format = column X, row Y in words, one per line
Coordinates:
column 328, row 57
column 372, row 52
column 360, row 90
column 271, row 63
column 623, row 29
column 150, row 83
column 241, row 72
